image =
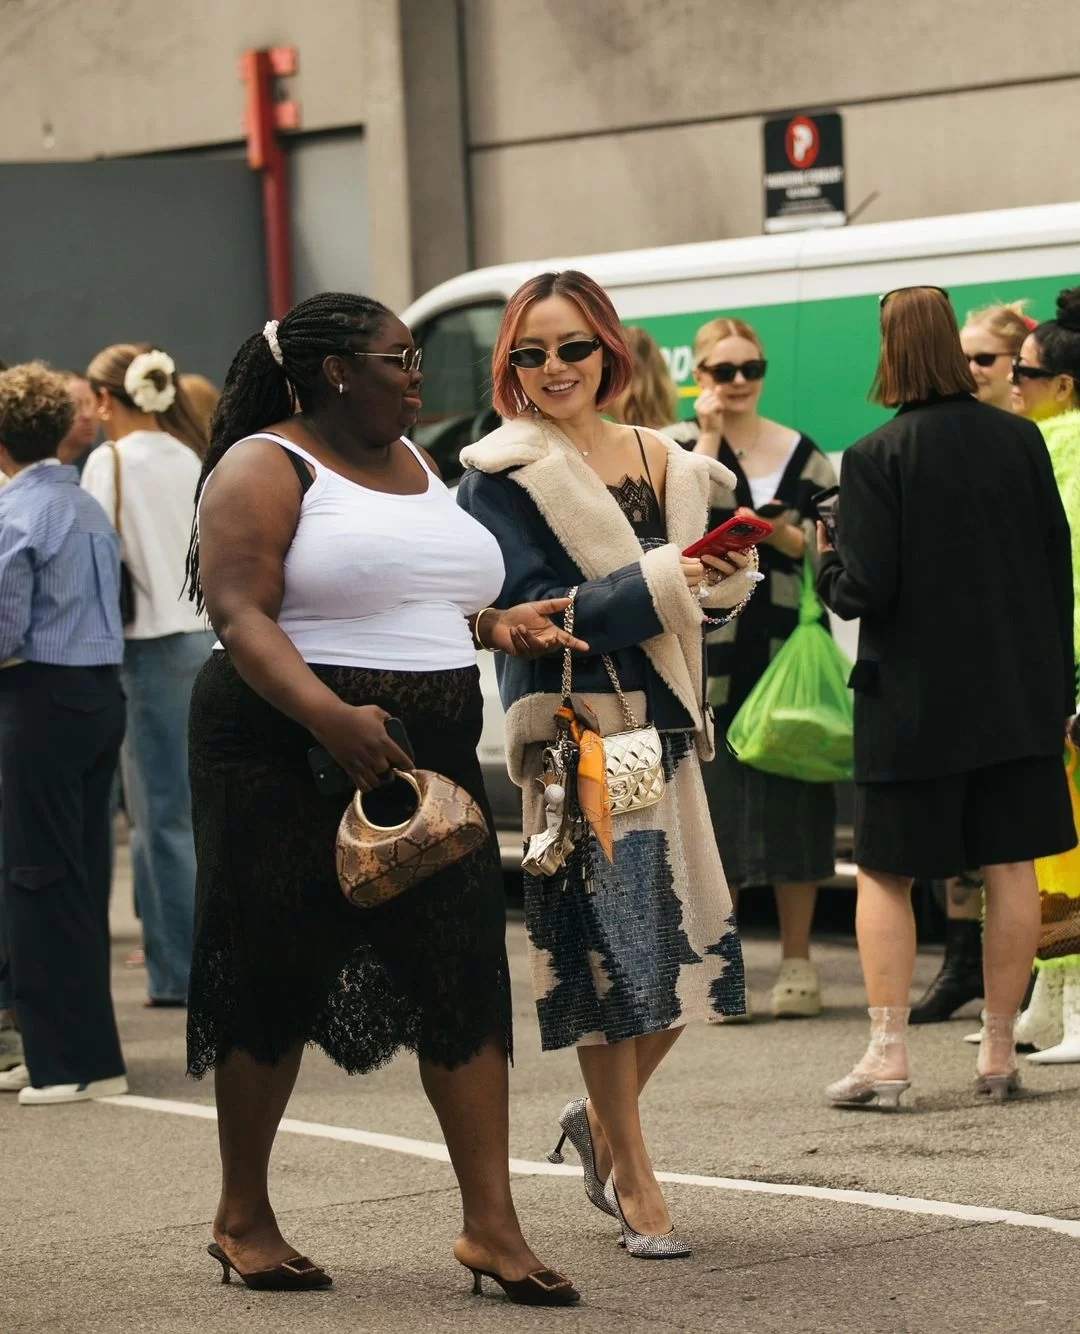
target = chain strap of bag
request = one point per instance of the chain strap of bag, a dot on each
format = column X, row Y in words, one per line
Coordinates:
column 633, row 758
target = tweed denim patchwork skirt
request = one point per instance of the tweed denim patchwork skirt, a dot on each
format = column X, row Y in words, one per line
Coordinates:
column 646, row 943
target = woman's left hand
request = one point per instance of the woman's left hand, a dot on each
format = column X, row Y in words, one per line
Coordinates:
column 526, row 631
column 823, row 543
column 722, row 567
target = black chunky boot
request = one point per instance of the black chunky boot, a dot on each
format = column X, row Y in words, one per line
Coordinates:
column 961, row 976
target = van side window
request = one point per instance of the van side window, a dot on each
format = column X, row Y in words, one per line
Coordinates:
column 457, row 382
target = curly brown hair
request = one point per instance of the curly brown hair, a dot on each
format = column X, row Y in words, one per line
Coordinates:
column 35, row 411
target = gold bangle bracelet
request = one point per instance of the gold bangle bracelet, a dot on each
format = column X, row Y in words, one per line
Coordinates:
column 484, row 648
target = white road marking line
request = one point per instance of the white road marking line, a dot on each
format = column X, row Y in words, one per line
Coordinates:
column 418, row 1148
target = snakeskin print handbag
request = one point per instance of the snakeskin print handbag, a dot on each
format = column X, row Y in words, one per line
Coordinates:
column 376, row 863
column 633, row 760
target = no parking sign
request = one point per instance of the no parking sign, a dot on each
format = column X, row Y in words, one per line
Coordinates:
column 804, row 172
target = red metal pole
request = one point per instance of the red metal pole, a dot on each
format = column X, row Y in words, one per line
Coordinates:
column 262, row 117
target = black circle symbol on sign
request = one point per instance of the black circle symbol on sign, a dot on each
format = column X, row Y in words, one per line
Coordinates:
column 802, row 142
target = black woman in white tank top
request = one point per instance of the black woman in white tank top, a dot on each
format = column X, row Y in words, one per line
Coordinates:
column 344, row 585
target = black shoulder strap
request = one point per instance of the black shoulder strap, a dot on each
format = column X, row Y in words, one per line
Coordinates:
column 644, row 460
column 300, row 468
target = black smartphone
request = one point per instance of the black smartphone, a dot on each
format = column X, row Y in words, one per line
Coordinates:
column 332, row 780
column 772, row 509
column 826, row 503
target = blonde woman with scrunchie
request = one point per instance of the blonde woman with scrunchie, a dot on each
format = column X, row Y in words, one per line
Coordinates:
column 154, row 445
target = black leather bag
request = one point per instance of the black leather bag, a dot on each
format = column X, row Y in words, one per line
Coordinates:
column 127, row 584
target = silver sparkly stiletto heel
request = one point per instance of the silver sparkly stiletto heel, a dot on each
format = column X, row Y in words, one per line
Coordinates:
column 574, row 1122
column 642, row 1245
column 866, row 1085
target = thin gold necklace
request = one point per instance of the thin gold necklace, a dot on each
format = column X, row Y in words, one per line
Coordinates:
column 586, row 452
column 740, row 454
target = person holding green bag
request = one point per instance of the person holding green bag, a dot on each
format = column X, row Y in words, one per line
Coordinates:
column 772, row 827
column 954, row 551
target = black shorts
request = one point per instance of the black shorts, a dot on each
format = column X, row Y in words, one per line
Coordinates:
column 933, row 828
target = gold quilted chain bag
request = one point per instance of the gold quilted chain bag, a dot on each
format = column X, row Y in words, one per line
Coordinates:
column 376, row 863
column 633, row 760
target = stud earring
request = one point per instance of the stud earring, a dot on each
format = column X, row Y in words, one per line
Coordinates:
column 341, row 386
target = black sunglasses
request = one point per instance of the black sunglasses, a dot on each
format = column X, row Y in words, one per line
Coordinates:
column 985, row 359
column 1021, row 372
column 409, row 360
column 917, row 287
column 724, row 372
column 532, row 358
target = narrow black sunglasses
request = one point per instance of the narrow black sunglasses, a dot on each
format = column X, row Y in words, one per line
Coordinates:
column 1021, row 372
column 409, row 360
column 918, row 287
column 724, row 372
column 532, row 358
column 985, row 359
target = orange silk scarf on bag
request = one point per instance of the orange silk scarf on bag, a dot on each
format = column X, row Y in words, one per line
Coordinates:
column 592, row 789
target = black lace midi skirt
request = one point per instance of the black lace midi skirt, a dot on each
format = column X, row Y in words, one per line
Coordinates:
column 280, row 955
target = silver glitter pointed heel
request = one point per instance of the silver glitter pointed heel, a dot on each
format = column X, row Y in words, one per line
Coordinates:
column 574, row 1122
column 641, row 1245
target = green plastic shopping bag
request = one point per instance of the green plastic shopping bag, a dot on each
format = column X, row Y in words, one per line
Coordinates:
column 797, row 720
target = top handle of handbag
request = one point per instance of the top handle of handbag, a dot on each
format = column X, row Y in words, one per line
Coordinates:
column 629, row 719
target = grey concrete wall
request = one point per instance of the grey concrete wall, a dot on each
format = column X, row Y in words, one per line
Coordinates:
column 498, row 129
column 622, row 123
column 100, row 78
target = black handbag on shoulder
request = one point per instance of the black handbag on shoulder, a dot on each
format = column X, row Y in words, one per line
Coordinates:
column 127, row 584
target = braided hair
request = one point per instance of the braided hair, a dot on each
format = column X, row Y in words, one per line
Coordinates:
column 259, row 390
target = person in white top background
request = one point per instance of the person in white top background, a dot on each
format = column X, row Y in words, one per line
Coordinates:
column 145, row 477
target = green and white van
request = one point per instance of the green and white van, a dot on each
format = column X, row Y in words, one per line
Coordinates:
column 812, row 297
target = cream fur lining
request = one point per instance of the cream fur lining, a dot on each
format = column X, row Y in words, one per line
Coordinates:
column 593, row 531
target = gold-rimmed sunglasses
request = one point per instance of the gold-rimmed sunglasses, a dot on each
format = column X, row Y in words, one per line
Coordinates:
column 409, row 360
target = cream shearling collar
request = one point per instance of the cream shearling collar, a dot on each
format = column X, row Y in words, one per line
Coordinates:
column 593, row 531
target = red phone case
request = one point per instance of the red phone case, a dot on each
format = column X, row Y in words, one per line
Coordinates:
column 735, row 535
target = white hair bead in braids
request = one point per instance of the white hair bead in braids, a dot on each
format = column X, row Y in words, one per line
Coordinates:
column 270, row 329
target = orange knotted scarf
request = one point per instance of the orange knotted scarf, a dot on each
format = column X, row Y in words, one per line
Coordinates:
column 592, row 790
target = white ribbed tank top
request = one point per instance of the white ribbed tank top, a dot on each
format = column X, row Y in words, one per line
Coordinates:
column 385, row 581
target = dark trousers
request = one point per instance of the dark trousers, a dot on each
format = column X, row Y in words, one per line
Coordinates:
column 60, row 734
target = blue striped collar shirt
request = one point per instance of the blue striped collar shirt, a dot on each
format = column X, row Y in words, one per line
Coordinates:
column 59, row 572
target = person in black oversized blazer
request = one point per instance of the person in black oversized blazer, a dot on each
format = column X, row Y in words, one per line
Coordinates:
column 954, row 552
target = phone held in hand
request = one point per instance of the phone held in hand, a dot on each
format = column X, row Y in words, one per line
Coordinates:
column 826, row 504
column 331, row 779
column 738, row 534
column 772, row 510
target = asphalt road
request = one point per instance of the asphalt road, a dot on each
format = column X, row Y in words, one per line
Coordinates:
column 105, row 1207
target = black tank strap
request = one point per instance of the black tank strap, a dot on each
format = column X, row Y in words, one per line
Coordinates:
column 300, row 467
column 644, row 460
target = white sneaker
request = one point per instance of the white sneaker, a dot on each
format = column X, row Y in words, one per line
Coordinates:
column 797, row 994
column 50, row 1093
column 11, row 1081
column 11, row 1048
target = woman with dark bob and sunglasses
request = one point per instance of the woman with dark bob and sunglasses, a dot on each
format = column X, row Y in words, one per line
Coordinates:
column 1046, row 389
column 346, row 588
column 633, row 937
column 964, row 678
column 771, row 830
column 991, row 338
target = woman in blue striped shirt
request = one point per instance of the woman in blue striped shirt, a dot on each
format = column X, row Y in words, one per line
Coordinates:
column 61, row 724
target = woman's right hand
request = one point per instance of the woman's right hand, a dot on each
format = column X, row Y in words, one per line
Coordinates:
column 709, row 412
column 357, row 738
column 693, row 572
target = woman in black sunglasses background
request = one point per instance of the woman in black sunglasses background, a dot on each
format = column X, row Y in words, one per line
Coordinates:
column 1046, row 389
column 770, row 830
column 991, row 339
